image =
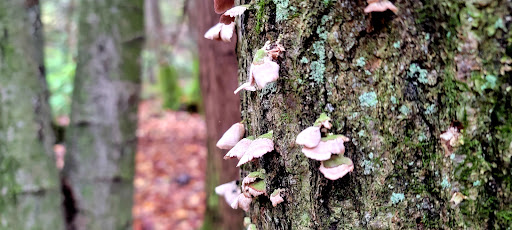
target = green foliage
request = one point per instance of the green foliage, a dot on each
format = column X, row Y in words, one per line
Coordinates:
column 60, row 75
column 192, row 91
column 170, row 89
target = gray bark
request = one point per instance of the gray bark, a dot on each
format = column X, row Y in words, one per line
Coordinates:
column 101, row 140
column 29, row 183
column 393, row 84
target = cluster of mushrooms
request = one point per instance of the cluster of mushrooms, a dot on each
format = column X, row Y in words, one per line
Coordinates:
column 246, row 150
column 317, row 143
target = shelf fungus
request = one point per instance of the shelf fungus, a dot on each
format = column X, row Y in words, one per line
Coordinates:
column 229, row 191
column 332, row 144
column 232, row 136
column 240, row 148
column 458, row 197
column 451, row 139
column 264, row 68
column 276, row 197
column 259, row 147
column 223, row 31
column 380, row 6
column 253, row 185
column 336, row 167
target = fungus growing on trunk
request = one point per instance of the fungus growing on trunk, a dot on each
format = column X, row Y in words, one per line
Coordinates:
column 276, row 197
column 451, row 139
column 457, row 197
column 259, row 147
column 236, row 11
column 239, row 149
column 231, row 137
column 380, row 6
column 336, row 167
column 222, row 31
column 264, row 68
column 242, row 202
column 254, row 185
column 332, row 144
column 229, row 191
column 252, row 227
column 323, row 121
column 222, row 5
column 309, row 137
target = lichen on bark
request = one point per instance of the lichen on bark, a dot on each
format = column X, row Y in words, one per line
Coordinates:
column 393, row 84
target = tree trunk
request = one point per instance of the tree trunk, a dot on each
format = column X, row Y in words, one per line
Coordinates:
column 393, row 84
column 101, row 141
column 218, row 79
column 29, row 181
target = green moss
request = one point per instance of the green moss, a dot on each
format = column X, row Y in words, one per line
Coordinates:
column 267, row 135
column 258, row 57
column 331, row 137
column 258, row 185
column 337, row 160
column 368, row 99
column 259, row 15
column 323, row 117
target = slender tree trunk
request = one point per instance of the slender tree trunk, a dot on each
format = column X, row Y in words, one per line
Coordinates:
column 29, row 185
column 101, row 141
column 218, row 76
column 393, row 84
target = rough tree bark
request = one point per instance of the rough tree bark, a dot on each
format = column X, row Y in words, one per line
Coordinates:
column 29, row 185
column 101, row 140
column 393, row 84
column 218, row 79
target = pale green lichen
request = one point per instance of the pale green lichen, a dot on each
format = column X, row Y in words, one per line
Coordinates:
column 404, row 110
column 445, row 183
column 431, row 109
column 318, row 66
column 422, row 137
column 490, row 82
column 476, row 183
column 304, row 60
column 452, row 156
column 281, row 9
column 370, row 155
column 367, row 72
column 368, row 99
column 397, row 198
column 361, row 62
column 361, row 133
column 393, row 100
column 416, row 71
column 396, row 44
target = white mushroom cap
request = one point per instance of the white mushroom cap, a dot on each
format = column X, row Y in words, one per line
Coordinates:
column 250, row 85
column 242, row 202
column 380, row 6
column 229, row 191
column 254, row 185
column 457, row 197
column 214, row 32
column 239, row 149
column 232, row 136
column 309, row 137
column 336, row 167
column 332, row 144
column 276, row 197
column 265, row 73
column 236, row 11
column 259, row 147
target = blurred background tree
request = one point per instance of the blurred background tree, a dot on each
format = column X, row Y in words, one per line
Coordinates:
column 99, row 166
column 29, row 185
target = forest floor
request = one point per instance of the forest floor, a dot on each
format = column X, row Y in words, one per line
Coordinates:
column 170, row 169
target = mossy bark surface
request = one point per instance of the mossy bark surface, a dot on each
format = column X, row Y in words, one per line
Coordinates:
column 392, row 84
column 29, row 183
column 101, row 140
